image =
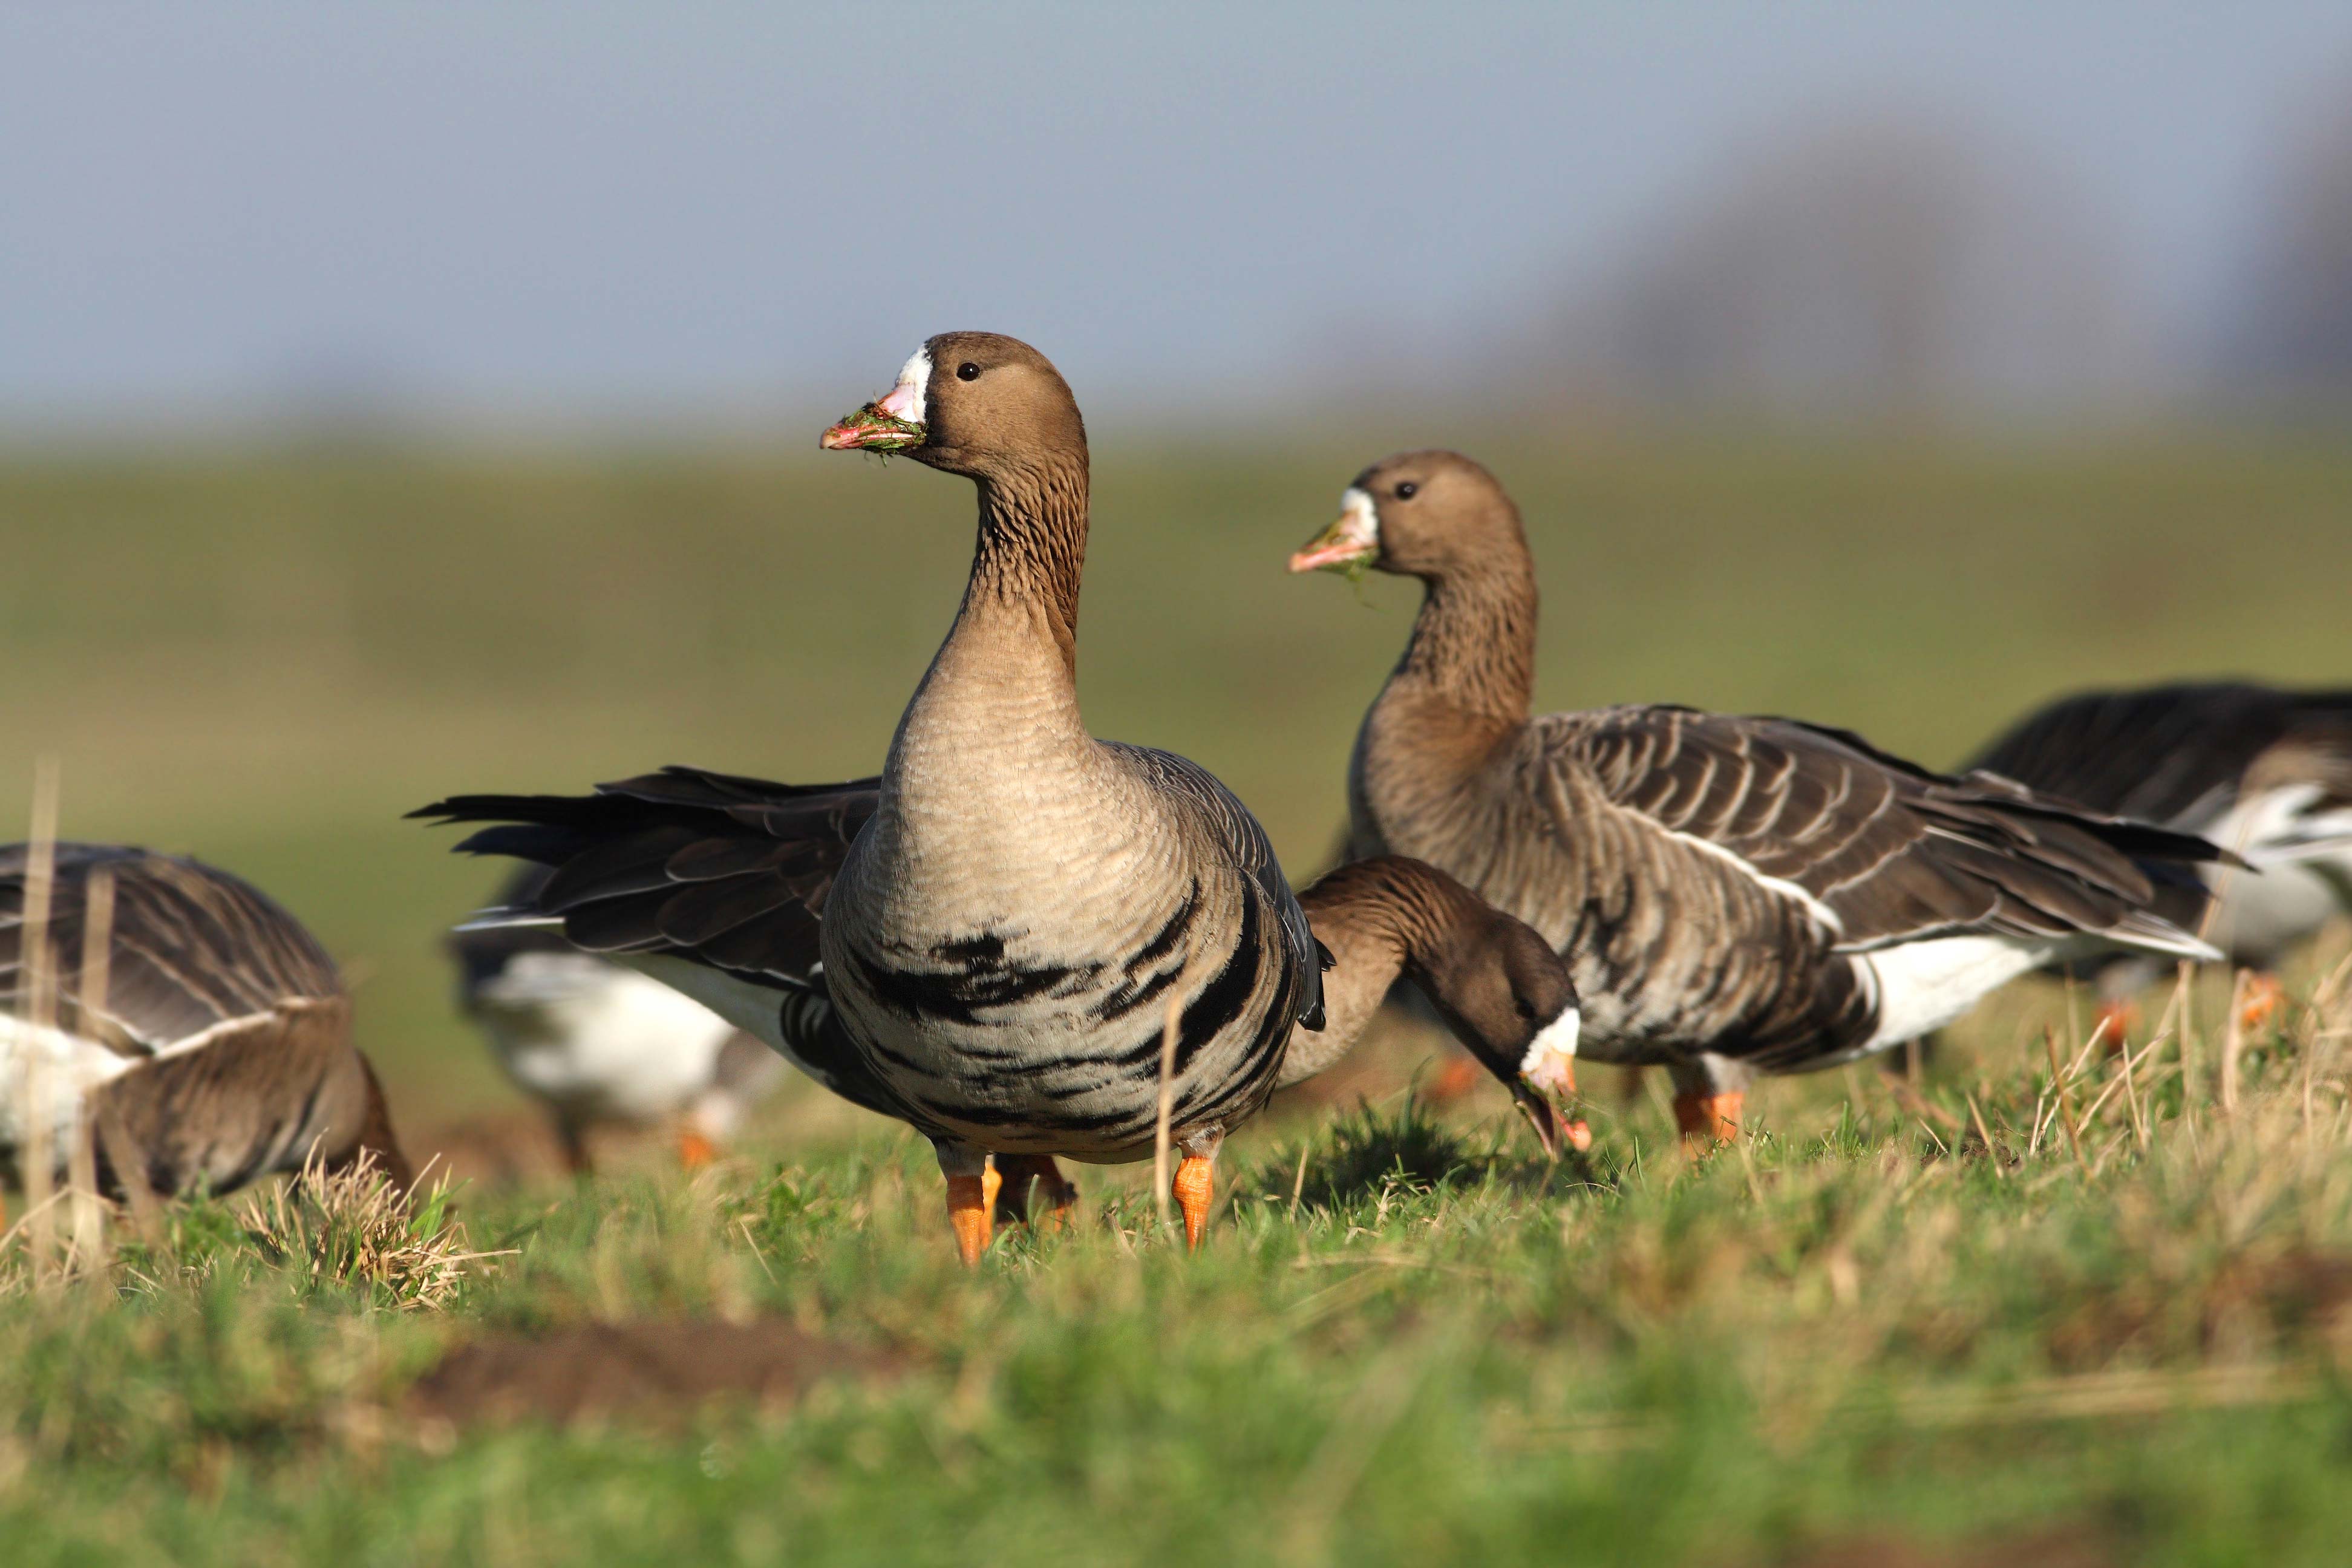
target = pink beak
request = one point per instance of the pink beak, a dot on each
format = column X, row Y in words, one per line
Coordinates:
column 886, row 425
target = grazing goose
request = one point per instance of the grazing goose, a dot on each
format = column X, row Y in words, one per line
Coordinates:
column 596, row 1043
column 202, row 1031
column 1022, row 905
column 2265, row 772
column 1497, row 983
column 1734, row 895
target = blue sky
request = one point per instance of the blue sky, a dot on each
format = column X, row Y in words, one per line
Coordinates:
column 592, row 206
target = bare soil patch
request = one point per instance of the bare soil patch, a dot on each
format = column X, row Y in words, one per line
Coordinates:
column 655, row 1372
column 2065, row 1547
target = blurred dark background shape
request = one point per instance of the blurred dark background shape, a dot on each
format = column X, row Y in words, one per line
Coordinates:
column 2295, row 341
column 1879, row 267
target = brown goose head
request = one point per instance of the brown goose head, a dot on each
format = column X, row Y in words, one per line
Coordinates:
column 1502, row 990
column 976, row 403
column 1418, row 514
column 1507, row 997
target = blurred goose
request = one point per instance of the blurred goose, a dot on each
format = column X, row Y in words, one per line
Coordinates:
column 1733, row 895
column 2263, row 772
column 1024, row 904
column 201, row 1033
column 596, row 1043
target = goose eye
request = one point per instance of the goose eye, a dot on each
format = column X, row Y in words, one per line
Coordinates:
column 1407, row 490
column 966, row 370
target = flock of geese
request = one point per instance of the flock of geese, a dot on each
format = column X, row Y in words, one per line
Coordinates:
column 1031, row 945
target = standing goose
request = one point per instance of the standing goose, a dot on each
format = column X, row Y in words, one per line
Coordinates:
column 1733, row 895
column 598, row 1043
column 213, row 1045
column 1024, row 904
column 720, row 886
column 2263, row 772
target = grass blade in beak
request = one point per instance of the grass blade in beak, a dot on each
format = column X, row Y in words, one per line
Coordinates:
column 871, row 429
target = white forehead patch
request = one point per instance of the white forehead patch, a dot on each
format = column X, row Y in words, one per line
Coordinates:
column 1363, row 519
column 1552, row 1048
column 906, row 399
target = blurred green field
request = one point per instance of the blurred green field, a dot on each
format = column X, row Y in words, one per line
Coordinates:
column 265, row 657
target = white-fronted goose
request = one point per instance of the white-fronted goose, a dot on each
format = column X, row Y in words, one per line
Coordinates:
column 718, row 886
column 1025, row 903
column 2263, row 772
column 598, row 1043
column 1497, row 983
column 1733, row 895
column 219, row 1049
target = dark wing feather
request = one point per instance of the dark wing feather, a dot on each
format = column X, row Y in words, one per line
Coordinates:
column 2163, row 753
column 1895, row 853
column 714, row 868
column 727, row 872
column 187, row 947
column 1242, row 837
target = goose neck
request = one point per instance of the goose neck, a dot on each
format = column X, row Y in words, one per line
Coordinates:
column 1029, row 560
column 1474, row 642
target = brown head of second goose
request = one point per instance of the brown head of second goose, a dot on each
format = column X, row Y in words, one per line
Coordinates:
column 1733, row 895
column 189, row 1023
column 1016, row 911
column 2264, row 773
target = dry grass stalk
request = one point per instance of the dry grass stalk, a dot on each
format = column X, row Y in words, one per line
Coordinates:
column 353, row 1227
column 89, row 1210
column 38, row 1013
column 2233, row 1041
column 2066, row 1102
column 1160, row 1173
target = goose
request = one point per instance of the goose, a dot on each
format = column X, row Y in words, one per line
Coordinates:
column 642, row 869
column 200, row 1033
column 2261, row 771
column 596, row 1043
column 1734, row 895
column 1024, row 904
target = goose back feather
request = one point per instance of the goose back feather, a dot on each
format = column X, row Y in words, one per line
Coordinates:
column 221, row 1049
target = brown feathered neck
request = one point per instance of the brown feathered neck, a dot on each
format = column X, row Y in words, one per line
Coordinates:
column 1473, row 643
column 1379, row 918
column 1031, row 553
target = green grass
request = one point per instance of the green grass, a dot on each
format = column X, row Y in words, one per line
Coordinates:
column 1858, row 1324
column 1855, row 1327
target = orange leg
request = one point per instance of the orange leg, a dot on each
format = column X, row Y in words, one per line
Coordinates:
column 1194, row 1186
column 2115, row 1022
column 1707, row 1119
column 1456, row 1078
column 971, row 1209
column 694, row 1149
column 2263, row 1000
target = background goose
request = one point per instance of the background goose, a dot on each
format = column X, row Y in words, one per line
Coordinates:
column 1734, row 895
column 598, row 1043
column 2264, row 773
column 1025, row 904
column 203, row 1033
